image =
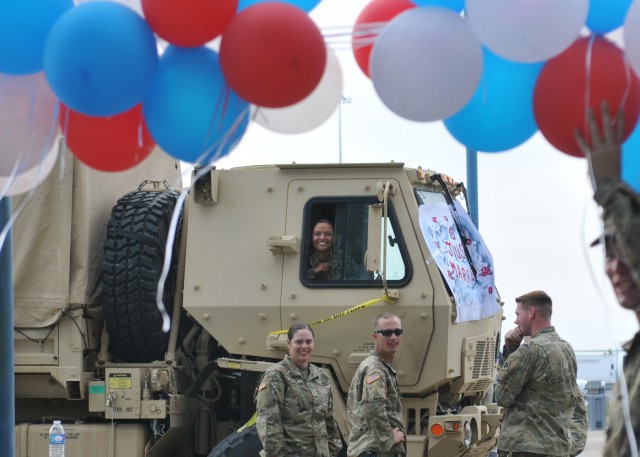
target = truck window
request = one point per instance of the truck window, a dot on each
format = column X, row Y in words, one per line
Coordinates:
column 336, row 242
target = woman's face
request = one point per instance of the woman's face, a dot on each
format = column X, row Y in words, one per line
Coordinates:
column 626, row 290
column 322, row 237
column 301, row 347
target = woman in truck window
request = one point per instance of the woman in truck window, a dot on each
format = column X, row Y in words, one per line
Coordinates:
column 325, row 258
column 294, row 404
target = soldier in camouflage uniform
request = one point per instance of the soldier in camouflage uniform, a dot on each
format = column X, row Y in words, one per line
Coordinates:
column 295, row 408
column 537, row 385
column 621, row 238
column 325, row 259
column 373, row 405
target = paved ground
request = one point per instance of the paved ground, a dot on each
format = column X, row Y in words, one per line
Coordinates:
column 595, row 444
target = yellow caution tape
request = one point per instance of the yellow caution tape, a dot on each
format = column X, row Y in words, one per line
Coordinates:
column 250, row 422
column 343, row 313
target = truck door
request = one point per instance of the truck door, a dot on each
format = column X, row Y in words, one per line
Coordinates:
column 342, row 339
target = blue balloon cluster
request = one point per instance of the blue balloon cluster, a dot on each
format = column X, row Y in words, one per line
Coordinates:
column 190, row 111
column 631, row 159
column 499, row 116
column 24, row 25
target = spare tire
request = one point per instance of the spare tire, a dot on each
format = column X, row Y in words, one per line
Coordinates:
column 134, row 252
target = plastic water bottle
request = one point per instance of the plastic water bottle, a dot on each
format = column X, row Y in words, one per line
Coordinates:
column 56, row 440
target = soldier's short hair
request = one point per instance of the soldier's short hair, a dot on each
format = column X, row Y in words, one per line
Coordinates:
column 385, row 315
column 298, row 326
column 539, row 300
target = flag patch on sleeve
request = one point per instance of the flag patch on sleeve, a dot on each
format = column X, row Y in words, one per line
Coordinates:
column 262, row 385
column 372, row 378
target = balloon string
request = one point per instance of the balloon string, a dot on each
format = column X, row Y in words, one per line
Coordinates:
column 357, row 37
column 627, row 78
column 173, row 226
column 140, row 137
column 166, row 321
column 219, row 146
column 587, row 88
column 32, row 192
column 587, row 100
column 22, row 160
column 11, row 178
column 14, row 215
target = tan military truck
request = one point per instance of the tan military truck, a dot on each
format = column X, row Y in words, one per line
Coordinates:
column 231, row 256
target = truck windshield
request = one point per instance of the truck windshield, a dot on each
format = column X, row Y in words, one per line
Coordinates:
column 460, row 253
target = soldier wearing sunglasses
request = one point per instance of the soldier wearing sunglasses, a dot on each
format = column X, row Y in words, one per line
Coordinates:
column 373, row 405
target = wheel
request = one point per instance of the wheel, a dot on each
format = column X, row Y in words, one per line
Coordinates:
column 239, row 444
column 134, row 252
column 247, row 444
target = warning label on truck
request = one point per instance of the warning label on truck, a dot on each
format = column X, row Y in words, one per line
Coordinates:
column 120, row 381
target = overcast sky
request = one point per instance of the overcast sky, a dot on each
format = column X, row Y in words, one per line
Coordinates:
column 536, row 211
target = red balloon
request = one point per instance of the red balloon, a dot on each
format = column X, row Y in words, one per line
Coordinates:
column 189, row 23
column 369, row 24
column 113, row 143
column 272, row 54
column 583, row 77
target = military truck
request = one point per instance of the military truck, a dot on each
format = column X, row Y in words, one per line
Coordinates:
column 145, row 313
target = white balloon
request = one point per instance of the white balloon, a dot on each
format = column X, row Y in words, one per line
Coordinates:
column 527, row 30
column 31, row 178
column 426, row 64
column 310, row 112
column 632, row 36
column 28, row 127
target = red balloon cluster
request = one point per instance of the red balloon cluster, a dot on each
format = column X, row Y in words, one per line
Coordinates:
column 590, row 71
column 113, row 143
column 368, row 25
column 272, row 54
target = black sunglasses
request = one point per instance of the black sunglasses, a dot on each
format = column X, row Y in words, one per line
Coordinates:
column 388, row 333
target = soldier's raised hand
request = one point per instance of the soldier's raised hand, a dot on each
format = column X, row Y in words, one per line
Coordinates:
column 605, row 153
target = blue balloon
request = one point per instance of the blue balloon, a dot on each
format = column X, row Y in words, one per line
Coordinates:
column 455, row 5
column 24, row 25
column 631, row 159
column 607, row 15
column 499, row 116
column 100, row 58
column 305, row 5
column 191, row 112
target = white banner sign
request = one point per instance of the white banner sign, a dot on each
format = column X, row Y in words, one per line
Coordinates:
column 475, row 295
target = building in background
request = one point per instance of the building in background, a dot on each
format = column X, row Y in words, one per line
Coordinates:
column 597, row 373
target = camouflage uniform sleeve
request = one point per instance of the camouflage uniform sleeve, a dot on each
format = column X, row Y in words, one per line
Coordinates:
column 269, row 402
column 374, row 396
column 622, row 207
column 579, row 426
column 513, row 375
column 333, row 434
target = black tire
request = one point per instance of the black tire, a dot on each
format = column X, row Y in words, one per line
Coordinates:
column 239, row 444
column 134, row 251
column 247, row 444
